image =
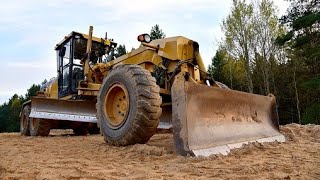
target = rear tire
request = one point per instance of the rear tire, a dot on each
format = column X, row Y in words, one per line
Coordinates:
column 25, row 120
column 93, row 128
column 80, row 131
column 39, row 127
column 79, row 128
column 128, row 106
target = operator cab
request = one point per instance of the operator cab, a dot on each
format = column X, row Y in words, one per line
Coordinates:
column 70, row 52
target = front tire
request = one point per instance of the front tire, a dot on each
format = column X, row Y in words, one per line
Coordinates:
column 128, row 106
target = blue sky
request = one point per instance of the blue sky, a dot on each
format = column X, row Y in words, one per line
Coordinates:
column 30, row 29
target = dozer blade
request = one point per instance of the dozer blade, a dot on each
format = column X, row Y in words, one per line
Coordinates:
column 209, row 120
column 71, row 110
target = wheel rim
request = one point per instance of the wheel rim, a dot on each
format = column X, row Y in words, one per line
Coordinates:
column 116, row 105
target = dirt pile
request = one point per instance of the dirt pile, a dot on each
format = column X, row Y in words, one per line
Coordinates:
column 64, row 156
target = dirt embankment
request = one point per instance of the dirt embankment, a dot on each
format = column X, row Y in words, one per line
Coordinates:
column 63, row 156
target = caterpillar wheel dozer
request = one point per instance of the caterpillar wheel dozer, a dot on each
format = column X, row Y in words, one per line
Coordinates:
column 164, row 80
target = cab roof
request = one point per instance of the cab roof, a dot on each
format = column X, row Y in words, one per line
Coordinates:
column 74, row 33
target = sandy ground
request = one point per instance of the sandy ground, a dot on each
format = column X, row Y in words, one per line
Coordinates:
column 64, row 156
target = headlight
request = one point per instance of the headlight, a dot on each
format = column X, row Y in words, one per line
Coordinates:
column 144, row 38
column 147, row 38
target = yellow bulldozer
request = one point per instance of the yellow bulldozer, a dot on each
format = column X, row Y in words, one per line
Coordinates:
column 164, row 80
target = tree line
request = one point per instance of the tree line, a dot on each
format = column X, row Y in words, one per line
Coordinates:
column 262, row 53
column 10, row 111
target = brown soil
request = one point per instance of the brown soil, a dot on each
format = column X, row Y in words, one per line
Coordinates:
column 64, row 156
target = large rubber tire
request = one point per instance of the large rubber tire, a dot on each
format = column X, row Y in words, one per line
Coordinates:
column 24, row 121
column 39, row 127
column 79, row 129
column 143, row 112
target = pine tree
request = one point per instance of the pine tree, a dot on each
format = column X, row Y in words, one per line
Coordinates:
column 120, row 50
column 156, row 33
column 216, row 67
column 302, row 38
